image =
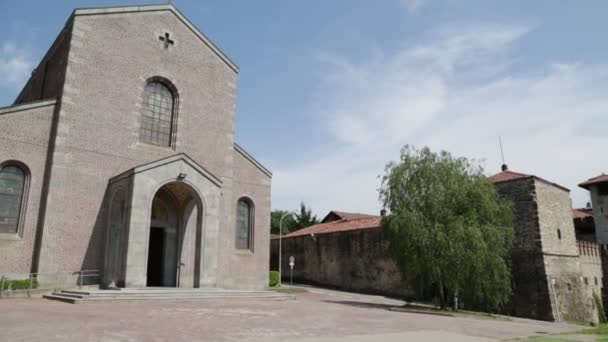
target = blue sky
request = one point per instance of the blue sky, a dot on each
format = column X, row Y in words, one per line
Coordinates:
column 330, row 90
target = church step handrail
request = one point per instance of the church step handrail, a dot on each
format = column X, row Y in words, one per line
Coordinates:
column 40, row 282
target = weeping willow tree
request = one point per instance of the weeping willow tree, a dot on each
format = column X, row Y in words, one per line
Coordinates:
column 449, row 230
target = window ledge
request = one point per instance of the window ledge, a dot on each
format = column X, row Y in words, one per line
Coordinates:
column 152, row 147
column 243, row 252
column 10, row 236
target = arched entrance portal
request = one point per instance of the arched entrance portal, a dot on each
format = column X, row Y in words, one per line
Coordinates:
column 174, row 244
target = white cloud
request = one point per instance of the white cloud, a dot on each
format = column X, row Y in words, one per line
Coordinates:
column 453, row 92
column 413, row 5
column 15, row 64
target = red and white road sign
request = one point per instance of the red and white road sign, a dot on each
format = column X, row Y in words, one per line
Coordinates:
column 292, row 261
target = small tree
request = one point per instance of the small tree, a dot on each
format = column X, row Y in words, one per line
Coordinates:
column 449, row 230
column 304, row 218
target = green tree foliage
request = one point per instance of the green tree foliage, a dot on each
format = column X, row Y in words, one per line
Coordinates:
column 304, row 218
column 449, row 231
column 275, row 218
column 301, row 219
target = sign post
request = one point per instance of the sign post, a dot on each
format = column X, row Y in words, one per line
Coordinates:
column 292, row 262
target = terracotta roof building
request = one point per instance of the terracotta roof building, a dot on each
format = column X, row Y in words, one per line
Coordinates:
column 507, row 176
column 603, row 178
column 337, row 221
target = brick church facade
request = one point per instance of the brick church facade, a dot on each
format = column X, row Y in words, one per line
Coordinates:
column 119, row 155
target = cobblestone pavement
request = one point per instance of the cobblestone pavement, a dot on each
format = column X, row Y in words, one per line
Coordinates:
column 320, row 315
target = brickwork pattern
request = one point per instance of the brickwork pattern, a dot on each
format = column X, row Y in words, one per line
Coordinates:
column 24, row 137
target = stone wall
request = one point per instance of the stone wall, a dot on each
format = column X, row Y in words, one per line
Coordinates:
column 353, row 260
column 570, row 297
column 591, row 269
column 531, row 297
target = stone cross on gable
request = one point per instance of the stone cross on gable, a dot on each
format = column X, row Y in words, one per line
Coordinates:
column 166, row 40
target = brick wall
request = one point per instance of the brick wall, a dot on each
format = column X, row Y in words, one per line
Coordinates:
column 24, row 137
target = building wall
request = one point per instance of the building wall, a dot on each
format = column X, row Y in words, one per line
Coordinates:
column 562, row 262
column 555, row 219
column 531, row 297
column 24, row 137
column 353, row 260
column 591, row 269
column 600, row 214
column 98, row 131
column 242, row 268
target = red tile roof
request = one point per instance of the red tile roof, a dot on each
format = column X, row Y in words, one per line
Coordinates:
column 599, row 179
column 507, row 176
column 581, row 213
column 342, row 215
column 348, row 223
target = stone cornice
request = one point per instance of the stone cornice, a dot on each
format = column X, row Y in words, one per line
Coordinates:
column 247, row 156
column 27, row 106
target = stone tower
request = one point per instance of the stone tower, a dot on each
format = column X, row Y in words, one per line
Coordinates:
column 598, row 189
column 545, row 261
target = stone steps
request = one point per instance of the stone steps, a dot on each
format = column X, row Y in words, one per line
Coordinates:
column 96, row 296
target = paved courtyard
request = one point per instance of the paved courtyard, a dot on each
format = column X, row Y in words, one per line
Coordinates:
column 319, row 315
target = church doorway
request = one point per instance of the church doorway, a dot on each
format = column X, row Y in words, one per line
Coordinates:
column 174, row 245
column 156, row 251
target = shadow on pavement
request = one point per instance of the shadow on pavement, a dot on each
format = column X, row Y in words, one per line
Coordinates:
column 364, row 305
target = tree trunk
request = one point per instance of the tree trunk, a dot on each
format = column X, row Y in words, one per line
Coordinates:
column 441, row 296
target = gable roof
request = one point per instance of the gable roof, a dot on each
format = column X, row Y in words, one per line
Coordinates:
column 509, row 176
column 157, row 8
column 342, row 215
column 350, row 222
column 506, row 176
column 603, row 178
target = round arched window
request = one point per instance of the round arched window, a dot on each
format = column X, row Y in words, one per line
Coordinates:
column 157, row 123
column 12, row 190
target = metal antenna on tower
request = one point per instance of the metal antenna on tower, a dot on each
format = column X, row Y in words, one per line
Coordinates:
column 502, row 155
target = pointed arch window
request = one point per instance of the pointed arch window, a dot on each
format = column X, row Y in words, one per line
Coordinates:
column 159, row 113
column 13, row 186
column 244, row 224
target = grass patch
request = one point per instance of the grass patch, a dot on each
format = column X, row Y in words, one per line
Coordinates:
column 19, row 284
column 601, row 330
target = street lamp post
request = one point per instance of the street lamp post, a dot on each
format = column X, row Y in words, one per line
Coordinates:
column 281, row 245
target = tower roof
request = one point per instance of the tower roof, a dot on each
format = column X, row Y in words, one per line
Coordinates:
column 508, row 176
column 603, row 178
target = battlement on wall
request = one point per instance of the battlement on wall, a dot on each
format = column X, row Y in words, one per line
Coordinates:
column 590, row 249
